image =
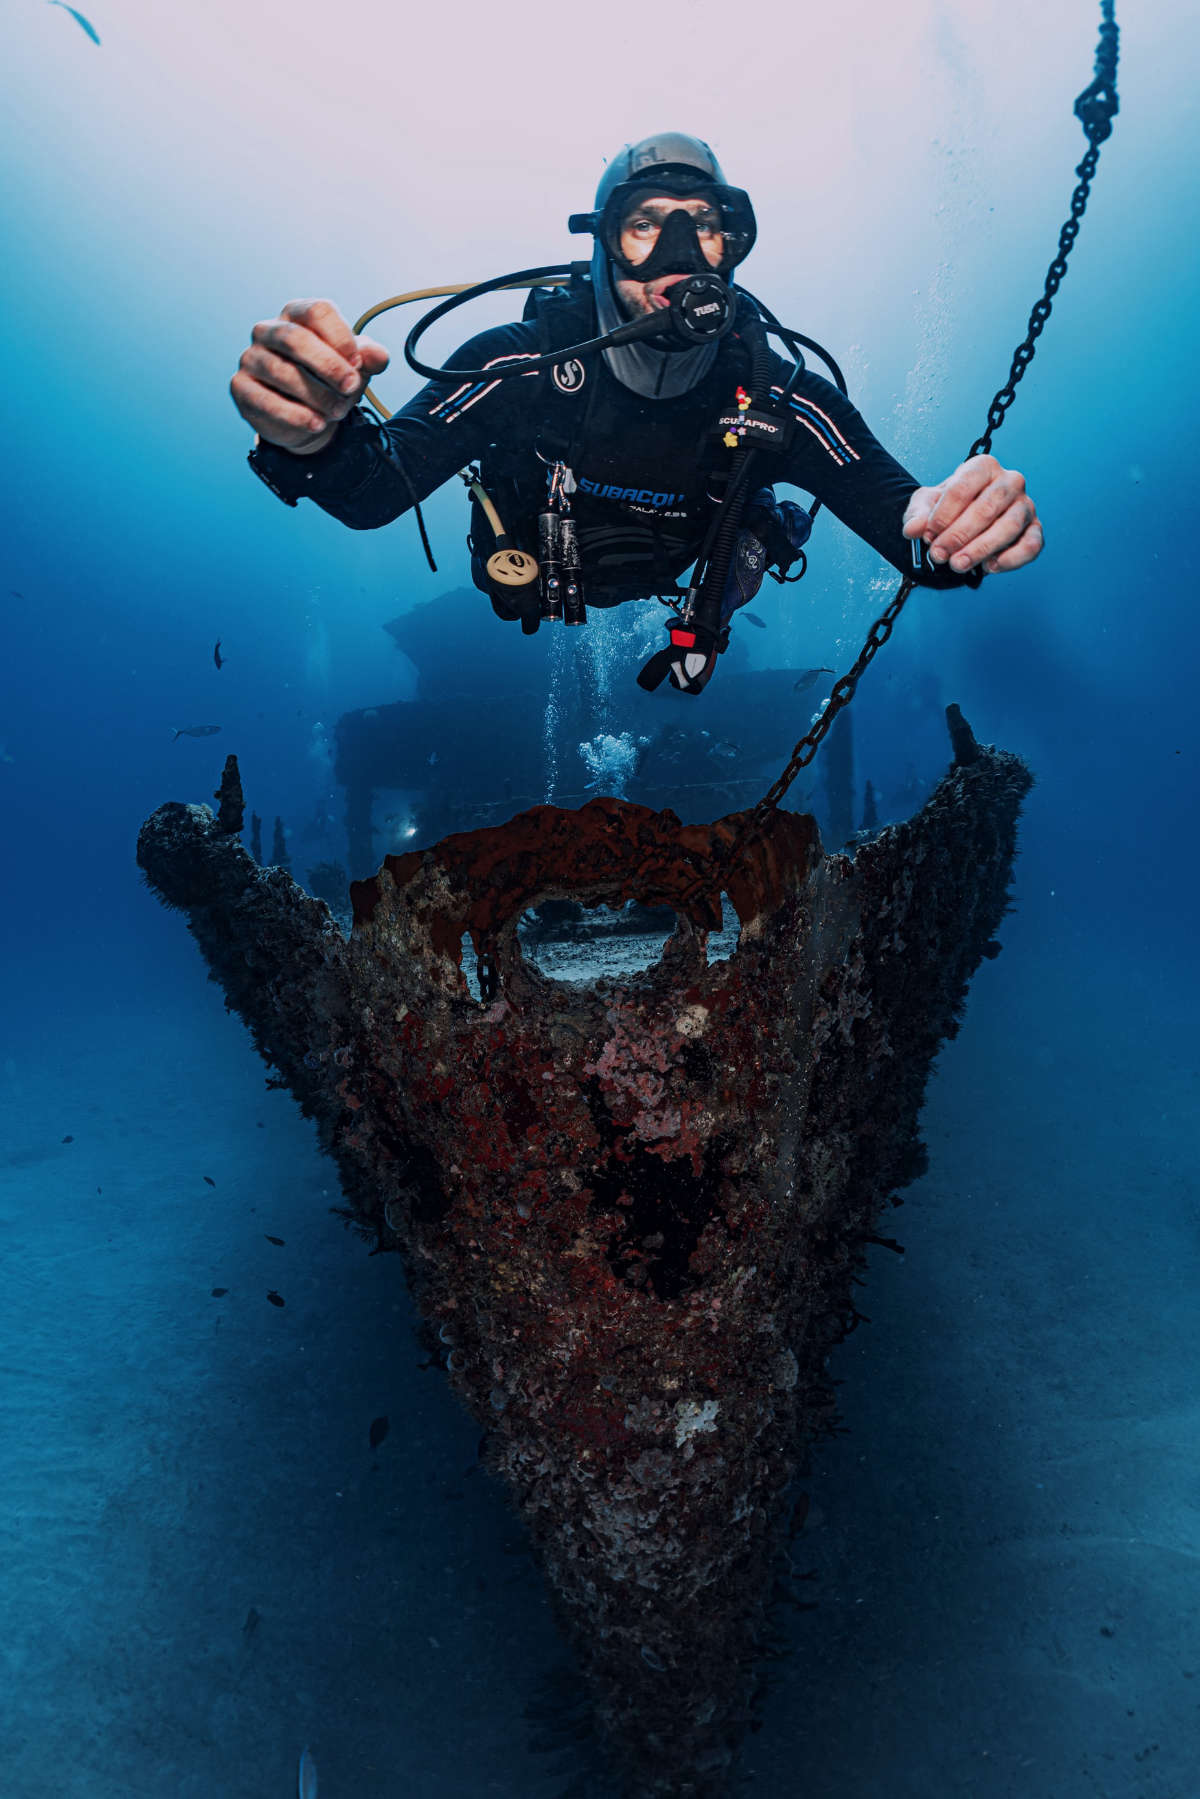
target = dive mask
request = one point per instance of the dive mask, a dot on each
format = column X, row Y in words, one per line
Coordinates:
column 677, row 238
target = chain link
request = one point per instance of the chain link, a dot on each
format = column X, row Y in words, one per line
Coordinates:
column 1095, row 108
column 1023, row 355
column 841, row 694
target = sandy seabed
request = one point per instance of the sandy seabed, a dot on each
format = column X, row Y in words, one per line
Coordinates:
column 205, row 1565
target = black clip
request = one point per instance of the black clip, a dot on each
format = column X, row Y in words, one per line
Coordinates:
column 487, row 974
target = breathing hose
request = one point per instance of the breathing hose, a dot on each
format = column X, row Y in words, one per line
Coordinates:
column 718, row 551
column 434, row 293
column 521, row 569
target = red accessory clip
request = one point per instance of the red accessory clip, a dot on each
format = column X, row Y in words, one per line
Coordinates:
column 734, row 437
column 683, row 640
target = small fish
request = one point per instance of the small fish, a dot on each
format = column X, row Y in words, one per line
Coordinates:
column 252, row 1622
column 68, row 1139
column 219, row 1292
column 217, row 656
column 271, row 1239
column 307, row 1786
column 79, row 19
column 276, row 1299
column 433, row 758
column 752, row 618
column 210, row 1180
column 378, row 1431
column 196, row 731
column 809, row 678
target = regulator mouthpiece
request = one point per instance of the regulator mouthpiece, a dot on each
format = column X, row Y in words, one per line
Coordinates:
column 701, row 309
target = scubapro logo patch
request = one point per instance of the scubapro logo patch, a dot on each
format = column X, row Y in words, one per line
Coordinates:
column 570, row 376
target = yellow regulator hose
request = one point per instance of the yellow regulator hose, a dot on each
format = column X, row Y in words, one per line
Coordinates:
column 513, row 568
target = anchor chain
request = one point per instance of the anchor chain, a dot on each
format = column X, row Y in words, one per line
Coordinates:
column 841, row 694
column 1095, row 108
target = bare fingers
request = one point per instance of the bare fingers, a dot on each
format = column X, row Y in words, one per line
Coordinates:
column 1017, row 529
column 981, row 516
column 921, row 503
column 292, row 384
column 977, row 492
column 320, row 319
column 301, row 347
column 296, row 383
column 289, row 423
column 1023, row 550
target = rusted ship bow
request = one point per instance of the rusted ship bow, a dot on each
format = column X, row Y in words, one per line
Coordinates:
column 631, row 1212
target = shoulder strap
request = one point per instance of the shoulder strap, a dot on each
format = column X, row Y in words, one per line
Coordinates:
column 563, row 316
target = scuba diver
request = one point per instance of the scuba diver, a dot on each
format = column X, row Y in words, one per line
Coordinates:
column 630, row 428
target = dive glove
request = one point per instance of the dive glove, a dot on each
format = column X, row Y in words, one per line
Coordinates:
column 772, row 536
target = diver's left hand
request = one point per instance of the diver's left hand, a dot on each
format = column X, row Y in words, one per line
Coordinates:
column 981, row 515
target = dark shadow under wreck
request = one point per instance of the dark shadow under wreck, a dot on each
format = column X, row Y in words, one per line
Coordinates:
column 633, row 1212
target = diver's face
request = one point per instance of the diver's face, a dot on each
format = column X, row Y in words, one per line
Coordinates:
column 639, row 233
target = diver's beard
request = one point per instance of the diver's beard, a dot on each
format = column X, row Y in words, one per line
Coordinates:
column 634, row 301
column 657, row 370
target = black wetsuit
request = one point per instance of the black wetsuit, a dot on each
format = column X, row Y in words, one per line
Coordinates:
column 647, row 471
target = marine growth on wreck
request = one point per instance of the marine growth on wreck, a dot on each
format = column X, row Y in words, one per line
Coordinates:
column 631, row 1212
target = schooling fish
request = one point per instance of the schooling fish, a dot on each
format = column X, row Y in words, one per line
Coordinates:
column 195, row 731
column 217, row 656
column 79, row 19
column 378, row 1431
column 307, row 1784
column 808, row 679
column 752, row 618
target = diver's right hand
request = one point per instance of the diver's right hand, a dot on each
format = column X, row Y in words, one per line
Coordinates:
column 303, row 372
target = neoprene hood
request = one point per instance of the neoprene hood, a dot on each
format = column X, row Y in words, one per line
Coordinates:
column 669, row 163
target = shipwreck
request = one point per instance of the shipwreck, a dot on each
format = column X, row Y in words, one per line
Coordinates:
column 632, row 1212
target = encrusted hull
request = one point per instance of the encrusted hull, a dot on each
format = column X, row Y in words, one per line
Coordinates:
column 631, row 1213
